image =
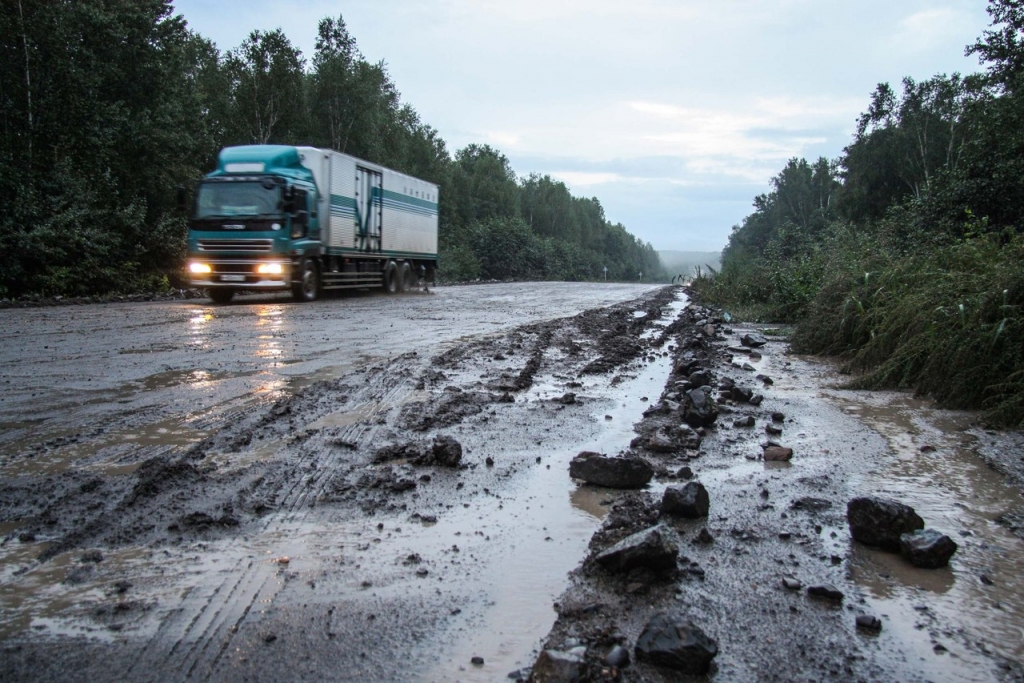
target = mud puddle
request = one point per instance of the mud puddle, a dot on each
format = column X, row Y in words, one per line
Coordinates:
column 953, row 619
column 945, row 624
column 537, row 545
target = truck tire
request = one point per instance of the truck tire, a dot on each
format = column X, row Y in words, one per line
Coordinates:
column 406, row 279
column 308, row 286
column 220, row 295
column 391, row 285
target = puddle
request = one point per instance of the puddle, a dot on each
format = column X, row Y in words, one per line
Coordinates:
column 542, row 543
column 70, row 450
column 956, row 493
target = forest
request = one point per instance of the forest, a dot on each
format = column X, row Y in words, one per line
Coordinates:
column 904, row 256
column 108, row 106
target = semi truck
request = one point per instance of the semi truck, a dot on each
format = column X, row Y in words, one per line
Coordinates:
column 276, row 217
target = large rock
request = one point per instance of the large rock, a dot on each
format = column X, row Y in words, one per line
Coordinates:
column 880, row 521
column 753, row 340
column 690, row 501
column 554, row 666
column 446, row 451
column 699, row 409
column 700, row 378
column 652, row 548
column 615, row 473
column 927, row 548
column 676, row 643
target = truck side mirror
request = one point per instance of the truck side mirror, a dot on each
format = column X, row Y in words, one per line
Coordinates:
column 288, row 199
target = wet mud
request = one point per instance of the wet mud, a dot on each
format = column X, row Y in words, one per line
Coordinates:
column 407, row 513
column 777, row 529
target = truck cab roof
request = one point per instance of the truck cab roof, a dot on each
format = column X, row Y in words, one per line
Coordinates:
column 278, row 160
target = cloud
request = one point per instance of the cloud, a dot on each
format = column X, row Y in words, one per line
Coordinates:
column 585, row 179
column 925, row 29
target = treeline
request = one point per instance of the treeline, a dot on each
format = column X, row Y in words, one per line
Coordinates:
column 107, row 106
column 906, row 256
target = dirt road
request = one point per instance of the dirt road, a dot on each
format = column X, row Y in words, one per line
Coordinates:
column 374, row 488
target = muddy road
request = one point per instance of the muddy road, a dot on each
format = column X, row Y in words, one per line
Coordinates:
column 372, row 488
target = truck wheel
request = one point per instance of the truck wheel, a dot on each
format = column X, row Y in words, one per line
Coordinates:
column 391, row 278
column 406, row 279
column 308, row 287
column 220, row 295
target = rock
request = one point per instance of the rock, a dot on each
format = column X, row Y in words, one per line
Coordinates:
column 869, row 622
column 927, row 548
column 741, row 394
column 753, row 340
column 778, row 454
column 756, row 400
column 489, row 461
column 477, row 661
column 652, row 548
column 699, row 409
column 700, row 378
column 659, row 443
column 881, row 521
column 618, row 657
column 690, row 501
column 676, row 643
column 747, row 421
column 568, row 399
column 826, row 591
column 765, row 379
column 446, row 451
column 790, row 583
column 684, row 435
column 772, row 430
column 811, row 504
column 684, row 472
column 616, row 473
column 554, row 666
column 704, row 537
column 778, row 417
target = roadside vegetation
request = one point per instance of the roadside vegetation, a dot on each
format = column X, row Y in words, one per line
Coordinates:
column 106, row 107
column 905, row 256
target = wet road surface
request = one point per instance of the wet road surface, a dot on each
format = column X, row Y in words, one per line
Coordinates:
column 264, row 537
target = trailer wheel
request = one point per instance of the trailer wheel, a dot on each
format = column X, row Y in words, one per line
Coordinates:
column 220, row 295
column 308, row 287
column 406, row 278
column 391, row 285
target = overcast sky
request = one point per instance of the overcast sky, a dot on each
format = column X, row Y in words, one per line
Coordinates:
column 674, row 113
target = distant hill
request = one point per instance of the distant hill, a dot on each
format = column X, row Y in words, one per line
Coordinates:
column 684, row 262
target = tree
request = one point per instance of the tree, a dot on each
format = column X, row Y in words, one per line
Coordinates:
column 267, row 92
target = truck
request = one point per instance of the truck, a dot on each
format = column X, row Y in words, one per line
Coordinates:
column 278, row 217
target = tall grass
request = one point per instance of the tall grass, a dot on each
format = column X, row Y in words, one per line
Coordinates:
column 944, row 319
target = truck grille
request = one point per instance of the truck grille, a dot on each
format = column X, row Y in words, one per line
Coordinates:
column 236, row 245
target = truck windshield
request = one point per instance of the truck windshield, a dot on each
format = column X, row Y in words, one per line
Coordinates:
column 241, row 198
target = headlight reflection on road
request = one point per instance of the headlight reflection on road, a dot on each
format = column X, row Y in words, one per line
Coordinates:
column 268, row 345
column 198, row 326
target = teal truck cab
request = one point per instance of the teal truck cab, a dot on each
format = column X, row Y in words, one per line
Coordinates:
column 274, row 217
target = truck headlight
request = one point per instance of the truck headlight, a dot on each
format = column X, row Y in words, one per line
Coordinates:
column 270, row 269
column 200, row 268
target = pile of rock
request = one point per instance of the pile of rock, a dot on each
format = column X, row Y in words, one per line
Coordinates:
column 893, row 526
